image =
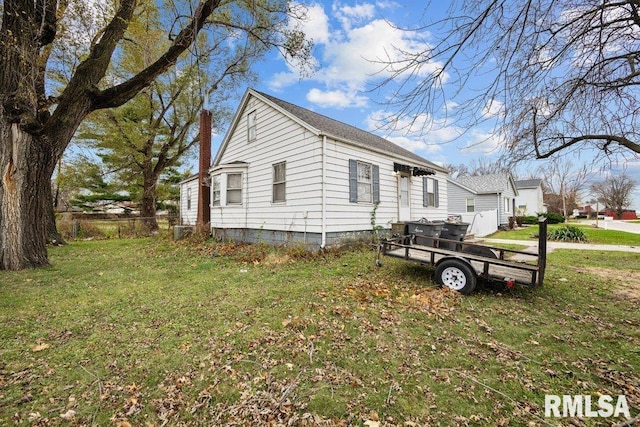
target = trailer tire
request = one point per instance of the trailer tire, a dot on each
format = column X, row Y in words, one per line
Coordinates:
column 457, row 275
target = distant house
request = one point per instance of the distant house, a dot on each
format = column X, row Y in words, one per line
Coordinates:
column 483, row 193
column 627, row 214
column 285, row 173
column 529, row 200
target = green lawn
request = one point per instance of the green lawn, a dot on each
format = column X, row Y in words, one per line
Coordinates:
column 594, row 235
column 151, row 332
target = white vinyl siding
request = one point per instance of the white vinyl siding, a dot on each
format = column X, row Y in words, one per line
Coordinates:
column 189, row 201
column 458, row 195
column 280, row 140
column 283, row 139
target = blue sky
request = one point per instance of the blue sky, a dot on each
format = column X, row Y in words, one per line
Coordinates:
column 348, row 38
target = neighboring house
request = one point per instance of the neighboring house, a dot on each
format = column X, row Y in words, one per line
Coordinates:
column 285, row 173
column 483, row 193
column 627, row 214
column 188, row 201
column 530, row 198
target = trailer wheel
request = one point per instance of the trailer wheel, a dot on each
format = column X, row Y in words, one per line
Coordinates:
column 457, row 275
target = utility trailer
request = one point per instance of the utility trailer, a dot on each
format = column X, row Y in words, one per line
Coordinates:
column 460, row 268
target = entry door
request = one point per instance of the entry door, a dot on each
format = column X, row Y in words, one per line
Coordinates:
column 404, row 197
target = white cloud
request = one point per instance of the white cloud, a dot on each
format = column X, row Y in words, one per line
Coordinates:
column 316, row 24
column 282, row 80
column 335, row 98
column 357, row 52
column 350, row 15
column 417, row 146
column 480, row 141
column 361, row 54
column 493, row 108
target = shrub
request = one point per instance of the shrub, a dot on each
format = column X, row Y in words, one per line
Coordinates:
column 554, row 218
column 531, row 220
column 568, row 233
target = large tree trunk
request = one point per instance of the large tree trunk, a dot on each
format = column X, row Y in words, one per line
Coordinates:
column 23, row 165
column 32, row 135
column 148, row 203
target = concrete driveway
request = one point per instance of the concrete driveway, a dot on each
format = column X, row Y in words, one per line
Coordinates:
column 629, row 227
column 533, row 247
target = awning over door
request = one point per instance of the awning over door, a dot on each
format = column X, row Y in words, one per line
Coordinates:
column 413, row 170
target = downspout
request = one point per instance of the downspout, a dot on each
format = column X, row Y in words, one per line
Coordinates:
column 323, row 225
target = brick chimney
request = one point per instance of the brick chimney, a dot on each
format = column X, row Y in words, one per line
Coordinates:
column 204, row 193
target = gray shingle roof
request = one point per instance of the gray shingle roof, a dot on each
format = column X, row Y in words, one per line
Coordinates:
column 346, row 132
column 528, row 183
column 493, row 183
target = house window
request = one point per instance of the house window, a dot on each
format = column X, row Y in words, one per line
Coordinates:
column 215, row 190
column 507, row 205
column 431, row 192
column 234, row 189
column 251, row 126
column 471, row 205
column 279, row 182
column 188, row 199
column 364, row 182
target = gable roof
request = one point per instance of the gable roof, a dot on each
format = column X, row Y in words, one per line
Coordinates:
column 334, row 129
column 528, row 183
column 488, row 184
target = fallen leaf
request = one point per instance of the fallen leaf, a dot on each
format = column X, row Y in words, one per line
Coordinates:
column 371, row 423
column 40, row 347
column 68, row 415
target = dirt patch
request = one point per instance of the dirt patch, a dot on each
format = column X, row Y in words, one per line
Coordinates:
column 626, row 283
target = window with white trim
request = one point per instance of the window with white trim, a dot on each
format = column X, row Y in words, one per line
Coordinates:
column 215, row 190
column 431, row 196
column 471, row 204
column 252, row 132
column 188, row 198
column 234, row 189
column 279, row 182
column 507, row 205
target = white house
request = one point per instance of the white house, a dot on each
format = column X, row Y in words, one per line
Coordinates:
column 483, row 193
column 530, row 197
column 188, row 201
column 284, row 173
